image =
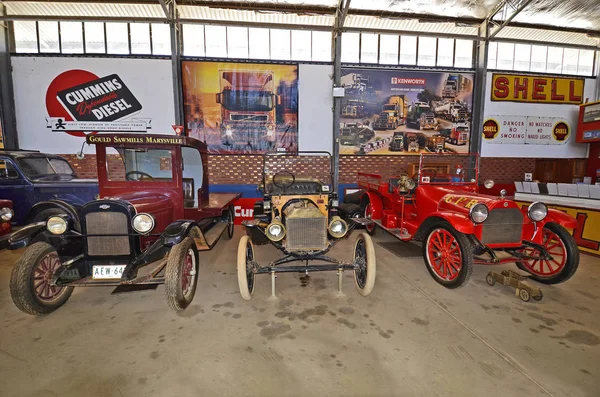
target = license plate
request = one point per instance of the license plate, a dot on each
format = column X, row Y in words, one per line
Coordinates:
column 108, row 271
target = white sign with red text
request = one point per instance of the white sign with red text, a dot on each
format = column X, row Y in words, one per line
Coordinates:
column 530, row 130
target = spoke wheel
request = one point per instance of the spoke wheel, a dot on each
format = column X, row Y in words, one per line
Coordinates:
column 365, row 264
column 564, row 252
column 230, row 223
column 31, row 281
column 245, row 267
column 188, row 275
column 181, row 274
column 447, row 256
column 524, row 295
column 369, row 211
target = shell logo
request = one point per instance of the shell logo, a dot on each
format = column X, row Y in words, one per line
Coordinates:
column 490, row 129
column 561, row 131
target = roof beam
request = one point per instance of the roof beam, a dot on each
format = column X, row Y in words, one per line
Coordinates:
column 508, row 10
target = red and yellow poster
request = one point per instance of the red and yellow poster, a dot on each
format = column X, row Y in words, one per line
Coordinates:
column 536, row 89
column 241, row 107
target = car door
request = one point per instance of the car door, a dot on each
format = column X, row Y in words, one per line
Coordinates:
column 14, row 187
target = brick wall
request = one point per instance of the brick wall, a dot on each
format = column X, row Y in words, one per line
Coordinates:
column 247, row 169
column 86, row 168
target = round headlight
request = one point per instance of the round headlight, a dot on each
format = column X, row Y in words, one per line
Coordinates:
column 6, row 214
column 143, row 223
column 488, row 184
column 56, row 225
column 275, row 231
column 338, row 227
column 479, row 213
column 537, row 211
column 410, row 184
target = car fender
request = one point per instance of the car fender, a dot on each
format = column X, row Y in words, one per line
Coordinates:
column 562, row 218
column 69, row 209
column 177, row 231
column 375, row 201
column 26, row 235
column 460, row 222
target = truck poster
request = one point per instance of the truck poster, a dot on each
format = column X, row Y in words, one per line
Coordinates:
column 241, row 108
column 395, row 112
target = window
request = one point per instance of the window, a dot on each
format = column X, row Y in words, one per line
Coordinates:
column 586, row 62
column 43, row 167
column 321, row 46
column 555, row 60
column 445, row 52
column 216, row 41
column 48, row 36
column 192, row 175
column 427, row 50
column 463, row 56
column 140, row 38
column 408, row 50
column 522, row 57
column 570, row 61
column 369, row 47
column 492, row 55
column 71, row 37
column 25, row 36
column 7, row 170
column 237, row 42
column 94, row 37
column 259, row 46
column 301, row 44
column 280, row 44
column 506, row 55
column 350, row 45
column 388, row 49
column 161, row 39
column 538, row 58
column 193, row 40
column 117, row 38
column 141, row 165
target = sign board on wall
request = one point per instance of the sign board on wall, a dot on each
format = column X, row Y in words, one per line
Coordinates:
column 241, row 107
column 60, row 100
column 526, row 130
column 386, row 112
column 535, row 89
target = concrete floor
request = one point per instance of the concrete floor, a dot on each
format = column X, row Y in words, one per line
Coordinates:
column 411, row 337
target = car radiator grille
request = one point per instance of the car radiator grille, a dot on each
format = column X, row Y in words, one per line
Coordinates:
column 503, row 225
column 306, row 230
column 109, row 223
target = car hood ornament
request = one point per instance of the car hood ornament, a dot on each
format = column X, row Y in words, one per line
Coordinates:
column 104, row 207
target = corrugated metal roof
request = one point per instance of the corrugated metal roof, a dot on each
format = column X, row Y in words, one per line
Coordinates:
column 225, row 14
column 582, row 14
column 56, row 9
column 551, row 36
column 440, row 8
column 368, row 22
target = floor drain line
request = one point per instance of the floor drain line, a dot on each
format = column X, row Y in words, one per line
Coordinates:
column 504, row 356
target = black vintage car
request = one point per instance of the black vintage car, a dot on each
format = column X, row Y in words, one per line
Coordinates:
column 299, row 216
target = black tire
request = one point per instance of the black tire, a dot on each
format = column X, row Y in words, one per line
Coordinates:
column 364, row 277
column 43, row 216
column 490, row 280
column 230, row 223
column 572, row 261
column 354, row 198
column 538, row 297
column 177, row 298
column 22, row 288
column 464, row 274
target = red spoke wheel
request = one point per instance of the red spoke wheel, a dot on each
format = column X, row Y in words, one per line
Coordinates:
column 245, row 267
column 448, row 256
column 369, row 211
column 564, row 261
column 31, row 279
column 181, row 275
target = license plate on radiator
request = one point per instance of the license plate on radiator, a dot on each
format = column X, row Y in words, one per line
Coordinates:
column 108, row 271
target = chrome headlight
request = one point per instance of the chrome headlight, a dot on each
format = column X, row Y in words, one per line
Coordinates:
column 488, row 184
column 275, row 230
column 338, row 227
column 57, row 225
column 479, row 213
column 6, row 214
column 143, row 223
column 537, row 211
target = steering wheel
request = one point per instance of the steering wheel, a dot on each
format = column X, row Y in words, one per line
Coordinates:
column 283, row 179
column 141, row 173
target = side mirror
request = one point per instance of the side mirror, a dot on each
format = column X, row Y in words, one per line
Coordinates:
column 219, row 98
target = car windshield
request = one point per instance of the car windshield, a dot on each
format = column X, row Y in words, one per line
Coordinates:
column 252, row 101
column 446, row 169
column 140, row 165
column 44, row 167
column 305, row 166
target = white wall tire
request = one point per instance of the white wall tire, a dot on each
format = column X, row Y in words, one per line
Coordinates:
column 245, row 278
column 364, row 256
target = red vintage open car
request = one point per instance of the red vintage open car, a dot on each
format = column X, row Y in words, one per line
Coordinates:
column 153, row 215
column 440, row 205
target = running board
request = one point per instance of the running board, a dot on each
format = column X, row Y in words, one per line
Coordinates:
column 213, row 235
column 133, row 288
column 396, row 232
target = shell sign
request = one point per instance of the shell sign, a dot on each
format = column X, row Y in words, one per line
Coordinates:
column 490, row 129
column 537, row 89
column 525, row 130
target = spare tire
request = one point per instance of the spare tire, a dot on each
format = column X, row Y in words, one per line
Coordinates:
column 354, row 198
